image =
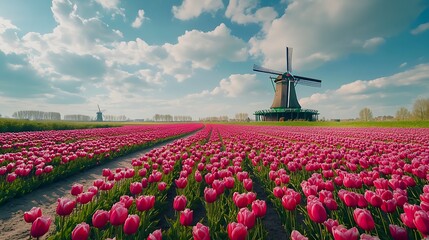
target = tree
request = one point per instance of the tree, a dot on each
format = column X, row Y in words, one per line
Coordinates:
column 403, row 114
column 365, row 114
column 421, row 109
column 241, row 116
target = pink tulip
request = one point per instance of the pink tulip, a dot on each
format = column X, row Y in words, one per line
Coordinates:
column 65, row 206
column 181, row 182
column 33, row 214
column 240, row 200
column 330, row 223
column 248, row 184
column 179, row 203
column 364, row 219
column 316, row 211
column 118, row 215
column 421, row 221
column 155, row 235
column 198, row 176
column 246, row 217
column 136, row 188
column 219, row 186
column 259, row 208
column 131, row 224
column 365, row 236
column 11, row 177
column 289, row 202
column 237, row 231
column 76, row 189
column 210, row 195
column 295, row 235
column 40, row 226
column 84, row 198
column 186, row 217
column 229, row 182
column 200, row 232
column 100, row 218
column 81, row 232
column 162, row 186
column 397, row 232
column 145, row 203
column 209, row 178
column 126, row 200
column 342, row 233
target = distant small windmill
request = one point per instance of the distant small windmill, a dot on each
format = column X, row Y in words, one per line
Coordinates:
column 99, row 115
column 285, row 104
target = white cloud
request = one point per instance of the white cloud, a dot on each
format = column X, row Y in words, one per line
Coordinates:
column 193, row 50
column 205, row 49
column 240, row 11
column 15, row 67
column 321, row 30
column 6, row 24
column 373, row 42
column 235, row 85
column 194, row 8
column 421, row 28
column 403, row 64
column 386, row 94
column 139, row 19
column 112, row 5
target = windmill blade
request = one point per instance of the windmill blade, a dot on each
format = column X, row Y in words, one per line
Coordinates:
column 265, row 70
column 312, row 82
column 308, row 83
column 289, row 59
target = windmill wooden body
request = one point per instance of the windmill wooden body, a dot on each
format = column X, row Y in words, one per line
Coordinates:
column 285, row 104
column 99, row 115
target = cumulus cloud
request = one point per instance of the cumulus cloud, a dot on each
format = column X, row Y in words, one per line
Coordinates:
column 235, row 85
column 194, row 8
column 243, row 12
column 139, row 19
column 6, row 24
column 112, row 5
column 385, row 94
column 322, row 31
column 420, row 28
column 205, row 49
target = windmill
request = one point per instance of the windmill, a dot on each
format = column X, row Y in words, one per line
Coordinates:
column 285, row 101
column 99, row 115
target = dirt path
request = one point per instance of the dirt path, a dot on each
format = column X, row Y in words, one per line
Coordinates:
column 12, row 224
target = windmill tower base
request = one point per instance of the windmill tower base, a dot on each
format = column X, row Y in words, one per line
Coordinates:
column 286, row 114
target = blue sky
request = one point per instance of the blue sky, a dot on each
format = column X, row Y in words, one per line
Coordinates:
column 195, row 57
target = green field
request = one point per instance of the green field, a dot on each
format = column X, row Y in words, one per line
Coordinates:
column 13, row 125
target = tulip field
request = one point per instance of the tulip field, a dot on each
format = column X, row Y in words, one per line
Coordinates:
column 32, row 159
column 223, row 181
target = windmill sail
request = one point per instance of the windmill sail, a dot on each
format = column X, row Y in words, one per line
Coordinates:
column 257, row 68
column 288, row 59
column 312, row 82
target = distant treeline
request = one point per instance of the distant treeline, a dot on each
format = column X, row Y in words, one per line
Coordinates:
column 77, row 117
column 170, row 118
column 40, row 115
column 36, row 115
